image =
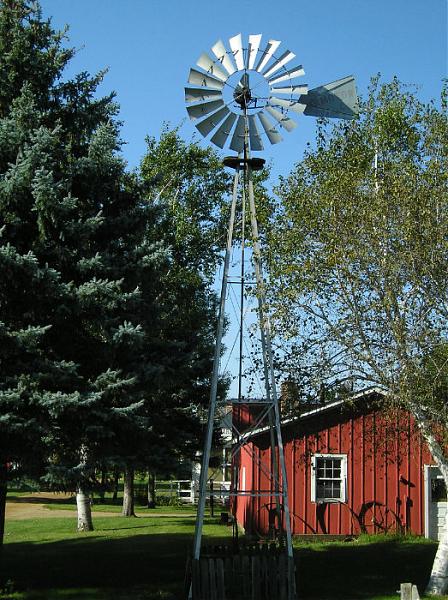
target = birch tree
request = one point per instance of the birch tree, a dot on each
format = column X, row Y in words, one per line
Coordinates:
column 358, row 261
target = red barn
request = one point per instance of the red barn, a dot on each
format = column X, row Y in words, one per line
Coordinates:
column 352, row 467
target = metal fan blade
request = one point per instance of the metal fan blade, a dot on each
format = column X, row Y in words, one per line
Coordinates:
column 254, row 134
column 237, row 143
column 294, row 105
column 254, row 44
column 282, row 119
column 222, row 133
column 198, row 78
column 200, row 110
column 266, row 56
column 292, row 89
column 195, row 94
column 291, row 74
column 337, row 100
column 207, row 63
column 212, row 121
column 273, row 135
column 283, row 60
column 219, row 50
column 237, row 49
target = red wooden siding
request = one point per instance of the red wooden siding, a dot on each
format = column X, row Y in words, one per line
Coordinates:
column 385, row 460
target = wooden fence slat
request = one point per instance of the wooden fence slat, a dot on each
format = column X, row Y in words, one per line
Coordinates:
column 265, row 576
column 228, row 577
column 220, row 583
column 291, row 579
column 256, row 583
column 245, row 570
column 196, row 580
column 273, row 578
column 205, row 588
column 212, row 578
column 236, row 577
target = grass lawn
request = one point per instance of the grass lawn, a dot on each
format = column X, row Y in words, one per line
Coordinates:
column 123, row 558
column 145, row 558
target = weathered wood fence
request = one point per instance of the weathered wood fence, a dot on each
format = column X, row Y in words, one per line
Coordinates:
column 253, row 573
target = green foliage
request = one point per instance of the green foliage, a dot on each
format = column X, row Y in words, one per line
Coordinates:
column 81, row 267
column 359, row 245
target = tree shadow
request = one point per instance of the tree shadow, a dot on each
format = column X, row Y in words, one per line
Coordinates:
column 357, row 571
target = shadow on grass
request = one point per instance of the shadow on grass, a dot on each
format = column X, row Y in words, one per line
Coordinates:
column 154, row 561
column 356, row 571
column 152, row 565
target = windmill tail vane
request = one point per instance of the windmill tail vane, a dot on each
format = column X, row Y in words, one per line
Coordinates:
column 262, row 89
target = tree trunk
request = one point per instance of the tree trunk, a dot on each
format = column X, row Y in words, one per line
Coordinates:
column 116, row 479
column 128, row 493
column 151, row 490
column 103, row 484
column 3, row 490
column 84, row 510
column 438, row 580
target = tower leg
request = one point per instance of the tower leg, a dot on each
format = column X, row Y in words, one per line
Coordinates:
column 265, row 329
column 215, row 376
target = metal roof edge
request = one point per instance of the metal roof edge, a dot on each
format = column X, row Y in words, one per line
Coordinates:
column 358, row 395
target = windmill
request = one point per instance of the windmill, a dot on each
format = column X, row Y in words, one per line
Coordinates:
column 241, row 96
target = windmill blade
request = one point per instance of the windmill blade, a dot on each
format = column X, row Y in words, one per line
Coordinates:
column 195, row 94
column 237, row 143
column 208, row 64
column 282, row 119
column 254, row 44
column 266, row 56
column 294, row 105
column 200, row 110
column 254, row 135
column 212, row 121
column 336, row 100
column 293, row 90
column 283, row 60
column 219, row 50
column 237, row 49
column 203, row 80
column 222, row 133
column 273, row 135
column 291, row 74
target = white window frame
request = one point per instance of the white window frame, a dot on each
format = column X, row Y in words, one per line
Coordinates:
column 343, row 496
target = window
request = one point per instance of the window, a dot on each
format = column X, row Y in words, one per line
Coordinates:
column 328, row 477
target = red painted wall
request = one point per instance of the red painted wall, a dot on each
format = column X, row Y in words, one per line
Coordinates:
column 385, row 460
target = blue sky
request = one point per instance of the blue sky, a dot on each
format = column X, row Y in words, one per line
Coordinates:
column 150, row 45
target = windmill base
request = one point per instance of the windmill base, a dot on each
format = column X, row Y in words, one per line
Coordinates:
column 252, row 573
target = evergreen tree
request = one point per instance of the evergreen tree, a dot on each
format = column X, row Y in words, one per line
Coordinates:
column 79, row 266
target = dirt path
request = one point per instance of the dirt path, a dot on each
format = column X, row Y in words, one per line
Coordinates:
column 32, row 506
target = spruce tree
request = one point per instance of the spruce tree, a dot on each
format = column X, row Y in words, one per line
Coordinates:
column 79, row 263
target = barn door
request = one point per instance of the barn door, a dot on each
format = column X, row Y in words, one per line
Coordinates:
column 435, row 502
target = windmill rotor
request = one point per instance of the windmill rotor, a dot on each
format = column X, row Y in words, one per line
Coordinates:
column 251, row 89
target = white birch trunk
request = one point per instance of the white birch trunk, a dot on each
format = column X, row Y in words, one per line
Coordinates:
column 128, row 493
column 438, row 580
column 84, row 511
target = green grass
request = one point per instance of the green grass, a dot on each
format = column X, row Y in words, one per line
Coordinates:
column 145, row 558
column 368, row 567
column 123, row 558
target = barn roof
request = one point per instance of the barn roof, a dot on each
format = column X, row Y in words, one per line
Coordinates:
column 364, row 394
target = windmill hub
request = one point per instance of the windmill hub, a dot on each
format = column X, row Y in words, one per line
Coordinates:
column 243, row 96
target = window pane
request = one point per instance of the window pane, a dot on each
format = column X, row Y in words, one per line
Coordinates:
column 328, row 476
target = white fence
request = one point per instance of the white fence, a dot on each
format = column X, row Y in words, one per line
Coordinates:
column 186, row 490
